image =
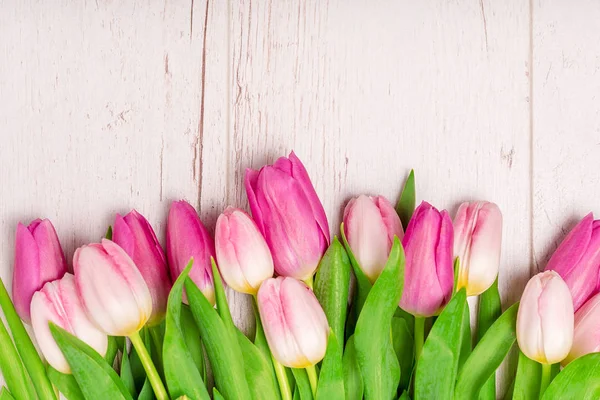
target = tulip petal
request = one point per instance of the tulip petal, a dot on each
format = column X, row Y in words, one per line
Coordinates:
column 556, row 311
column 26, row 276
column 529, row 322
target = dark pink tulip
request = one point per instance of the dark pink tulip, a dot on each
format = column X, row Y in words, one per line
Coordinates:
column 39, row 258
column 290, row 215
column 428, row 275
column 188, row 238
column 577, row 260
column 135, row 235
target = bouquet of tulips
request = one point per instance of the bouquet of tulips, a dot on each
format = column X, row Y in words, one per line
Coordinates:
column 380, row 314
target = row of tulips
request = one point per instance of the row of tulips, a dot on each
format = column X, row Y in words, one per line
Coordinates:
column 405, row 333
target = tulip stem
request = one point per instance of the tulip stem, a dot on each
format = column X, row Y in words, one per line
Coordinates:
column 153, row 377
column 312, row 377
column 419, row 336
column 284, row 384
column 546, row 378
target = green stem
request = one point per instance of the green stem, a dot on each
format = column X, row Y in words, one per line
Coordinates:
column 151, row 373
column 309, row 282
column 312, row 377
column 419, row 336
column 546, row 378
column 284, row 384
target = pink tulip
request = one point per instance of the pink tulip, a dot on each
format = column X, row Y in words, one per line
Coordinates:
column 477, row 243
column 112, row 289
column 370, row 224
column 39, row 258
column 586, row 336
column 577, row 260
column 545, row 319
column 188, row 238
column 135, row 235
column 289, row 214
column 59, row 303
column 294, row 322
column 243, row 255
column 428, row 274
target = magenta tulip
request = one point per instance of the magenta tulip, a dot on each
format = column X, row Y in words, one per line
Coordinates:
column 586, row 336
column 477, row 243
column 112, row 290
column 135, row 235
column 290, row 215
column 39, row 258
column 294, row 322
column 370, row 224
column 428, row 274
column 577, row 260
column 242, row 253
column 58, row 302
column 188, row 238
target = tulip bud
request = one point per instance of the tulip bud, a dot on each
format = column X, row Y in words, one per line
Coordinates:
column 39, row 258
column 289, row 214
column 428, row 273
column 59, row 303
column 370, row 224
column 112, row 290
column 188, row 238
column 477, row 242
column 135, row 235
column 294, row 322
column 242, row 252
column 545, row 319
column 577, row 260
column 586, row 333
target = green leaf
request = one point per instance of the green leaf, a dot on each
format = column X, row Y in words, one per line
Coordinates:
column 258, row 370
column 404, row 396
column 487, row 355
column 24, row 346
column 147, row 393
column 193, row 341
column 154, row 341
column 126, row 374
column 217, row 395
column 222, row 348
column 66, row 384
column 5, row 394
column 96, row 379
column 437, row 367
column 404, row 348
column 466, row 338
column 112, row 349
column 490, row 309
column 372, row 339
column 331, row 377
column 221, row 300
column 181, row 372
column 12, row 368
column 407, row 201
column 109, row 233
column 353, row 382
column 580, row 380
column 527, row 381
column 332, row 284
column 302, row 384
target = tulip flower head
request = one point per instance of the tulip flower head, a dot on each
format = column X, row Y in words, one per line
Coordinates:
column 112, row 290
column 294, row 322
column 134, row 234
column 39, row 258
column 477, row 243
column 577, row 260
column 290, row 215
column 545, row 319
column 188, row 238
column 429, row 276
column 370, row 224
column 586, row 334
column 242, row 252
column 59, row 303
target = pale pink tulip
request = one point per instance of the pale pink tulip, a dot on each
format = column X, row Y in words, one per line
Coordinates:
column 586, row 335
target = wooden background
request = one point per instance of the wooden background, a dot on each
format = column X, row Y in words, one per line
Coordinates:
column 110, row 105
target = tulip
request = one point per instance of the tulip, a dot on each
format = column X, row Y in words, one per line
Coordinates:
column 112, row 289
column 477, row 242
column 59, row 303
column 242, row 252
column 39, row 258
column 370, row 224
column 428, row 273
column 135, row 235
column 289, row 214
column 586, row 334
column 188, row 238
column 294, row 322
column 577, row 260
column 545, row 319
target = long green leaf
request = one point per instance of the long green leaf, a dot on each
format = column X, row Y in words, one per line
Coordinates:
column 466, row 338
column 66, row 384
column 181, row 371
column 579, row 380
column 332, row 284
column 12, row 368
column 302, row 384
column 217, row 395
column 527, row 381
column 490, row 309
column 192, row 338
column 96, row 379
column 5, row 394
column 407, row 201
column 437, row 367
column 221, row 300
column 258, row 368
column 353, row 383
column 112, row 349
column 147, row 393
column 331, row 377
column 404, row 348
column 127, row 374
column 374, row 350
column 487, row 355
